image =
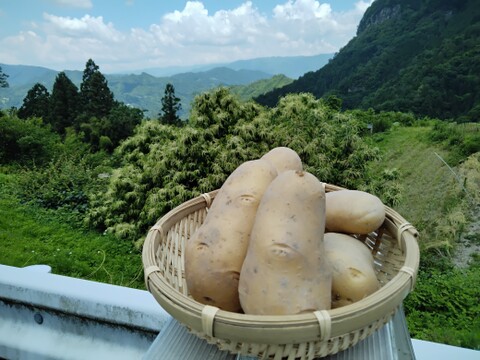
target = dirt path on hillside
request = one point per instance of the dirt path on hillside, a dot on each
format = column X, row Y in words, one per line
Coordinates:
column 469, row 242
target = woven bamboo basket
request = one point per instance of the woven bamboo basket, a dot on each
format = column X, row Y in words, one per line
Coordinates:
column 304, row 336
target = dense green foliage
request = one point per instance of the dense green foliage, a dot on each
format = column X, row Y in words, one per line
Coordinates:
column 163, row 166
column 66, row 180
column 444, row 307
column 410, row 56
column 26, row 141
column 462, row 139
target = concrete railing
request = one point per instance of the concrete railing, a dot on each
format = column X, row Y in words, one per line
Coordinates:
column 49, row 316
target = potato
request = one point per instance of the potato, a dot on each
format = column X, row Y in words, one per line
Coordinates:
column 353, row 212
column 285, row 270
column 353, row 269
column 284, row 158
column 214, row 254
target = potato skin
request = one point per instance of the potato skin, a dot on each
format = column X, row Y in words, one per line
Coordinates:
column 214, row 254
column 285, row 270
column 353, row 212
column 353, row 269
column 284, row 158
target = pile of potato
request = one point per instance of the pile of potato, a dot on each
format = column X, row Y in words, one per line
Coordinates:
column 275, row 243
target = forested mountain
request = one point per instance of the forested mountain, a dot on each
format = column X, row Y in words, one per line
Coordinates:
column 145, row 91
column 142, row 91
column 260, row 87
column 421, row 56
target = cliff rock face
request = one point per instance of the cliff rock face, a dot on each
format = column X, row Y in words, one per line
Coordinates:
column 379, row 17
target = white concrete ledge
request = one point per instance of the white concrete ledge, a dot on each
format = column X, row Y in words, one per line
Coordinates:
column 94, row 300
column 426, row 350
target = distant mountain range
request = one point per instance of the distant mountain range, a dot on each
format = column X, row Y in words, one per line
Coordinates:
column 290, row 66
column 145, row 90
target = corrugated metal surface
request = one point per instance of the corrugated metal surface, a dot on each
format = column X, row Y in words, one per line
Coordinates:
column 175, row 343
column 391, row 342
column 31, row 333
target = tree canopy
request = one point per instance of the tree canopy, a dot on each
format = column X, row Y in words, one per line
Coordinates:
column 170, row 107
column 92, row 112
column 95, row 95
column 64, row 104
column 36, row 103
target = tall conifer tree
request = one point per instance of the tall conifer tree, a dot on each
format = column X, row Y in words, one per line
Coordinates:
column 170, row 107
column 96, row 97
column 3, row 79
column 64, row 103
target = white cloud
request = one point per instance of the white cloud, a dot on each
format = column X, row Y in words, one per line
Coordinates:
column 361, row 5
column 84, row 4
column 194, row 25
column 188, row 36
column 302, row 10
column 87, row 26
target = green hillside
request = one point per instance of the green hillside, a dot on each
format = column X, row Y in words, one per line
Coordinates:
column 434, row 197
column 257, row 88
column 419, row 56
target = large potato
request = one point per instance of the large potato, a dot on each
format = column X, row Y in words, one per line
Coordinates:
column 353, row 212
column 214, row 254
column 285, row 270
column 284, row 158
column 353, row 269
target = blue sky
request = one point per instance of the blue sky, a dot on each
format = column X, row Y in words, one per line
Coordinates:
column 128, row 35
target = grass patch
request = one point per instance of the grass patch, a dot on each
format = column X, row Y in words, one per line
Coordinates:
column 432, row 199
column 31, row 235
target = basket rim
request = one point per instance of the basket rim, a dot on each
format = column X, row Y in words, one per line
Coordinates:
column 283, row 328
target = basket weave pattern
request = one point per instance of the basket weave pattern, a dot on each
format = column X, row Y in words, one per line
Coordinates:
column 304, row 336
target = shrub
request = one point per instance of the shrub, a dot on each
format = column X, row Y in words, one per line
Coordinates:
column 26, row 141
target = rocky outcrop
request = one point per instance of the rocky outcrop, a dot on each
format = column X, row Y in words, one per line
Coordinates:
column 382, row 15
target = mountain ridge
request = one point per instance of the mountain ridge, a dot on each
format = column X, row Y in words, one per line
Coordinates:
column 290, row 66
column 144, row 90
